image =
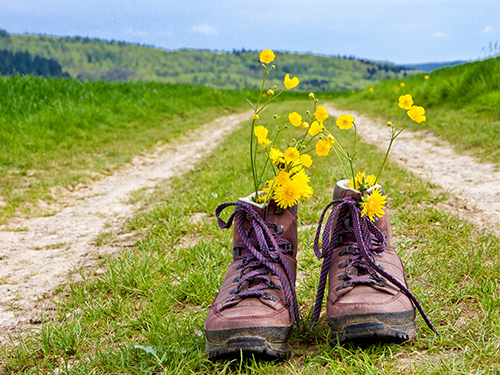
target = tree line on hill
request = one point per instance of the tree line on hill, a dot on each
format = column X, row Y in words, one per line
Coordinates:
column 24, row 63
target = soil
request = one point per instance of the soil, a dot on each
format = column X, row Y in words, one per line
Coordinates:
column 39, row 255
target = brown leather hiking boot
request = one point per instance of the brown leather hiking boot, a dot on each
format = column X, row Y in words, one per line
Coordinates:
column 256, row 306
column 368, row 296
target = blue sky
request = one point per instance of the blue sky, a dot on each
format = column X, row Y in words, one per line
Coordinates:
column 400, row 31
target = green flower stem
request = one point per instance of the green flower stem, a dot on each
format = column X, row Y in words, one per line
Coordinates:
column 252, row 159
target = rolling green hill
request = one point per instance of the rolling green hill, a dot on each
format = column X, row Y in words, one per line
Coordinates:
column 110, row 60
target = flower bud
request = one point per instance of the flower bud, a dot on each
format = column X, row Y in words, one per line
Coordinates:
column 270, row 92
column 275, row 117
column 389, row 123
column 255, row 116
column 273, row 67
column 311, row 95
column 275, row 87
column 316, row 100
column 263, row 65
column 308, row 112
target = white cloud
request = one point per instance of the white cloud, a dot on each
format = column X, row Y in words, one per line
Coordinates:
column 488, row 29
column 206, row 30
column 439, row 34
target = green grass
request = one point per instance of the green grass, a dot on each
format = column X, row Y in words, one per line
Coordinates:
column 62, row 132
column 144, row 313
column 462, row 105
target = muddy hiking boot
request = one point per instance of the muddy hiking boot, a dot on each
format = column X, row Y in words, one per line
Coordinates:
column 256, row 306
column 368, row 298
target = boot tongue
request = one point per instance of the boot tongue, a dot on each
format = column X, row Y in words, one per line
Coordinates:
column 341, row 191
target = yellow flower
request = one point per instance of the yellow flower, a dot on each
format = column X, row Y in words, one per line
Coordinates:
column 282, row 177
column 275, row 155
column 302, row 179
column 363, row 182
column 426, row 76
column 405, row 101
column 371, row 89
column 270, row 92
column 295, row 118
column 323, row 147
column 291, row 154
column 255, row 116
column 261, row 134
column 291, row 83
column 345, row 121
column 374, row 204
column 287, row 194
column 304, row 125
column 321, row 114
column 311, row 95
column 330, row 138
column 416, row 113
column 306, row 160
column 266, row 56
column 402, row 84
column 315, row 128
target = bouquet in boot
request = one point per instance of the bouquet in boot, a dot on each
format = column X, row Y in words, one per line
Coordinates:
column 256, row 306
column 368, row 296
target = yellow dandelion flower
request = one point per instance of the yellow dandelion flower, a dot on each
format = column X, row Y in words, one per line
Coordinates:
column 302, row 180
column 292, row 154
column 345, row 121
column 291, row 83
column 266, row 56
column 275, row 155
column 363, row 182
column 315, row 128
column 287, row 194
column 374, row 204
column 321, row 114
column 323, row 147
column 416, row 113
column 295, row 119
column 405, row 101
column 306, row 160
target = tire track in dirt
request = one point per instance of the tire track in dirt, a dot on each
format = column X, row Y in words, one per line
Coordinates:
column 39, row 254
column 476, row 185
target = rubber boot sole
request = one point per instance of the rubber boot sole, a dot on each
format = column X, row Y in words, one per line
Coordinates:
column 262, row 342
column 394, row 327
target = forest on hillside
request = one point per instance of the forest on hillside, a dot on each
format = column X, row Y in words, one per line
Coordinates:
column 95, row 59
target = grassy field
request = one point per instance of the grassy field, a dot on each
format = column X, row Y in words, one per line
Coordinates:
column 63, row 132
column 143, row 312
column 462, row 104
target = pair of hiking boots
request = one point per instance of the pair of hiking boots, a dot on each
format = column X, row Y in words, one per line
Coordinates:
column 367, row 299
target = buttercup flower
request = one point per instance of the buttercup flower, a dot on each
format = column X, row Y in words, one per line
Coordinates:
column 374, row 204
column 291, row 83
column 321, row 114
column 416, row 113
column 323, row 147
column 275, row 155
column 304, row 125
column 311, row 95
column 402, row 84
column 345, row 121
column 270, row 92
column 266, row 56
column 282, row 177
column 315, row 128
column 295, row 118
column 405, row 101
column 291, row 154
column 330, row 139
column 426, row 76
column 306, row 160
column 261, row 134
column 287, row 194
column 255, row 116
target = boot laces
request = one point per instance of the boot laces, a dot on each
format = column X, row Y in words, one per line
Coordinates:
column 266, row 253
column 365, row 242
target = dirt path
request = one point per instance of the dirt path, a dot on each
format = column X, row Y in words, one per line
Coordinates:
column 476, row 185
column 37, row 255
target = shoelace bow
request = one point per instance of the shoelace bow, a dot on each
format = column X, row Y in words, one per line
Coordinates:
column 263, row 258
column 369, row 243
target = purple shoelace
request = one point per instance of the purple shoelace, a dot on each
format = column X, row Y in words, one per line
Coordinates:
column 265, row 254
column 369, row 242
